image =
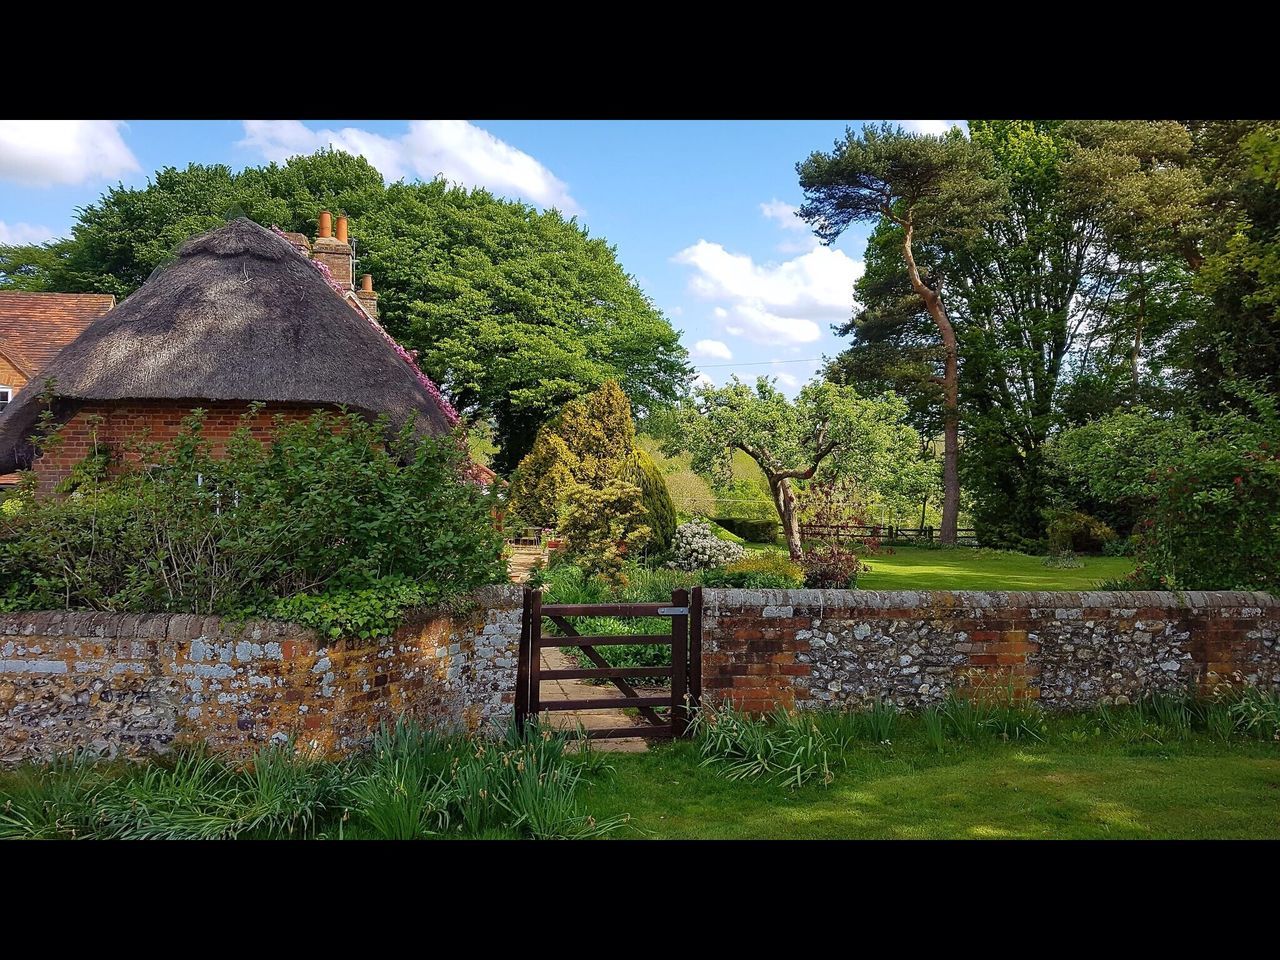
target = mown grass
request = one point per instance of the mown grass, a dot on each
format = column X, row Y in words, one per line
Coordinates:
column 967, row 568
column 1078, row 781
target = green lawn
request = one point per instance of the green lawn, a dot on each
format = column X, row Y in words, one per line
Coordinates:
column 1056, row 790
column 964, row 568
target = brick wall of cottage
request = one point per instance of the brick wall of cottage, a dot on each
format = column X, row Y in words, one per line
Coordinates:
column 129, row 685
column 120, row 426
column 833, row 648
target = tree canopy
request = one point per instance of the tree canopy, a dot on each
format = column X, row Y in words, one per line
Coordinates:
column 828, row 428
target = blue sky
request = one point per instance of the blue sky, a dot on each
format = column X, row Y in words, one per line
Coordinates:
column 701, row 212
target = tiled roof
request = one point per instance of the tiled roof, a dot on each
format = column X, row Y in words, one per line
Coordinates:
column 35, row 326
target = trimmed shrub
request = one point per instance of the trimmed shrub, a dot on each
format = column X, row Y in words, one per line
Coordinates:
column 760, row 571
column 753, row 531
column 696, row 547
column 601, row 526
column 543, row 480
column 660, row 512
column 1071, row 531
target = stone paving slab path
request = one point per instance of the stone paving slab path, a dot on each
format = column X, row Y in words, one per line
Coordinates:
column 553, row 690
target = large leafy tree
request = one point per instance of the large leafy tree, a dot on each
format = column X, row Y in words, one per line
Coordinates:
column 827, row 431
column 513, row 311
column 1237, row 262
column 917, row 189
column 1060, row 296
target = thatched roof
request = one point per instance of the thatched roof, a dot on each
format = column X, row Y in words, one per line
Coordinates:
column 240, row 315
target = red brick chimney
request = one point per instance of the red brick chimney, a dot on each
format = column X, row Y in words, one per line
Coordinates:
column 368, row 299
column 334, row 252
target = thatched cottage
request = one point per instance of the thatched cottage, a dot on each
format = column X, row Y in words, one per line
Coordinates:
column 243, row 314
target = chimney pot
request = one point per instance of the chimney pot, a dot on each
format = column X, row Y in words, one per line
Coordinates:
column 326, row 224
column 366, row 283
column 342, row 229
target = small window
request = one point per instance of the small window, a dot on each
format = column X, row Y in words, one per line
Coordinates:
column 6, row 394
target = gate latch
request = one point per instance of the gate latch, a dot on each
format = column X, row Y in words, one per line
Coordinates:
column 673, row 611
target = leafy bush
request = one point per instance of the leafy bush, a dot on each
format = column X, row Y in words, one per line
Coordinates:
column 1257, row 712
column 1119, row 547
column 542, row 482
column 759, row 571
column 753, row 531
column 832, row 567
column 1071, row 530
column 332, row 521
column 1207, row 492
column 601, row 526
column 695, row 547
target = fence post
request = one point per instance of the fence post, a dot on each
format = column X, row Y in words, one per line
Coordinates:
column 522, row 662
column 695, row 649
column 679, row 663
column 535, row 654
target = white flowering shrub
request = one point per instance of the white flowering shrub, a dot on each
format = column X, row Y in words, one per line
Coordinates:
column 695, row 547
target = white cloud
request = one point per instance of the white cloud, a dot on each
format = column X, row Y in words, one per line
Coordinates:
column 787, row 380
column 934, row 128
column 460, row 151
column 774, row 303
column 700, row 379
column 784, row 214
column 712, row 349
column 42, row 153
column 24, row 233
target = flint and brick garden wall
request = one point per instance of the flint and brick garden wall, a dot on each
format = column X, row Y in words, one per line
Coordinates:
column 812, row 649
column 124, row 684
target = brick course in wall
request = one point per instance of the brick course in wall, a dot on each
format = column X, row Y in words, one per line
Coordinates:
column 833, row 648
column 121, row 426
column 124, row 684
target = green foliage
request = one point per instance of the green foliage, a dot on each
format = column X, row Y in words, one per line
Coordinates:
column 584, row 477
column 689, row 492
column 827, row 430
column 412, row 784
column 1071, row 530
column 601, row 527
column 831, row 566
column 1197, row 487
column 660, row 512
column 514, row 311
column 332, row 522
column 752, row 531
column 786, row 748
column 542, row 484
column 757, row 571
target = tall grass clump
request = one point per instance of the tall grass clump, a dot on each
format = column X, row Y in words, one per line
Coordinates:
column 786, row 748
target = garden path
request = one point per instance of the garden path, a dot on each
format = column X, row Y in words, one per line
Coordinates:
column 522, row 560
column 553, row 690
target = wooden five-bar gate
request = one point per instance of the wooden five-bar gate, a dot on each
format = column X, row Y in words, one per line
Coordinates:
column 685, row 669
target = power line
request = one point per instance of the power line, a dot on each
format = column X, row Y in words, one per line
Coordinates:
column 759, row 363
